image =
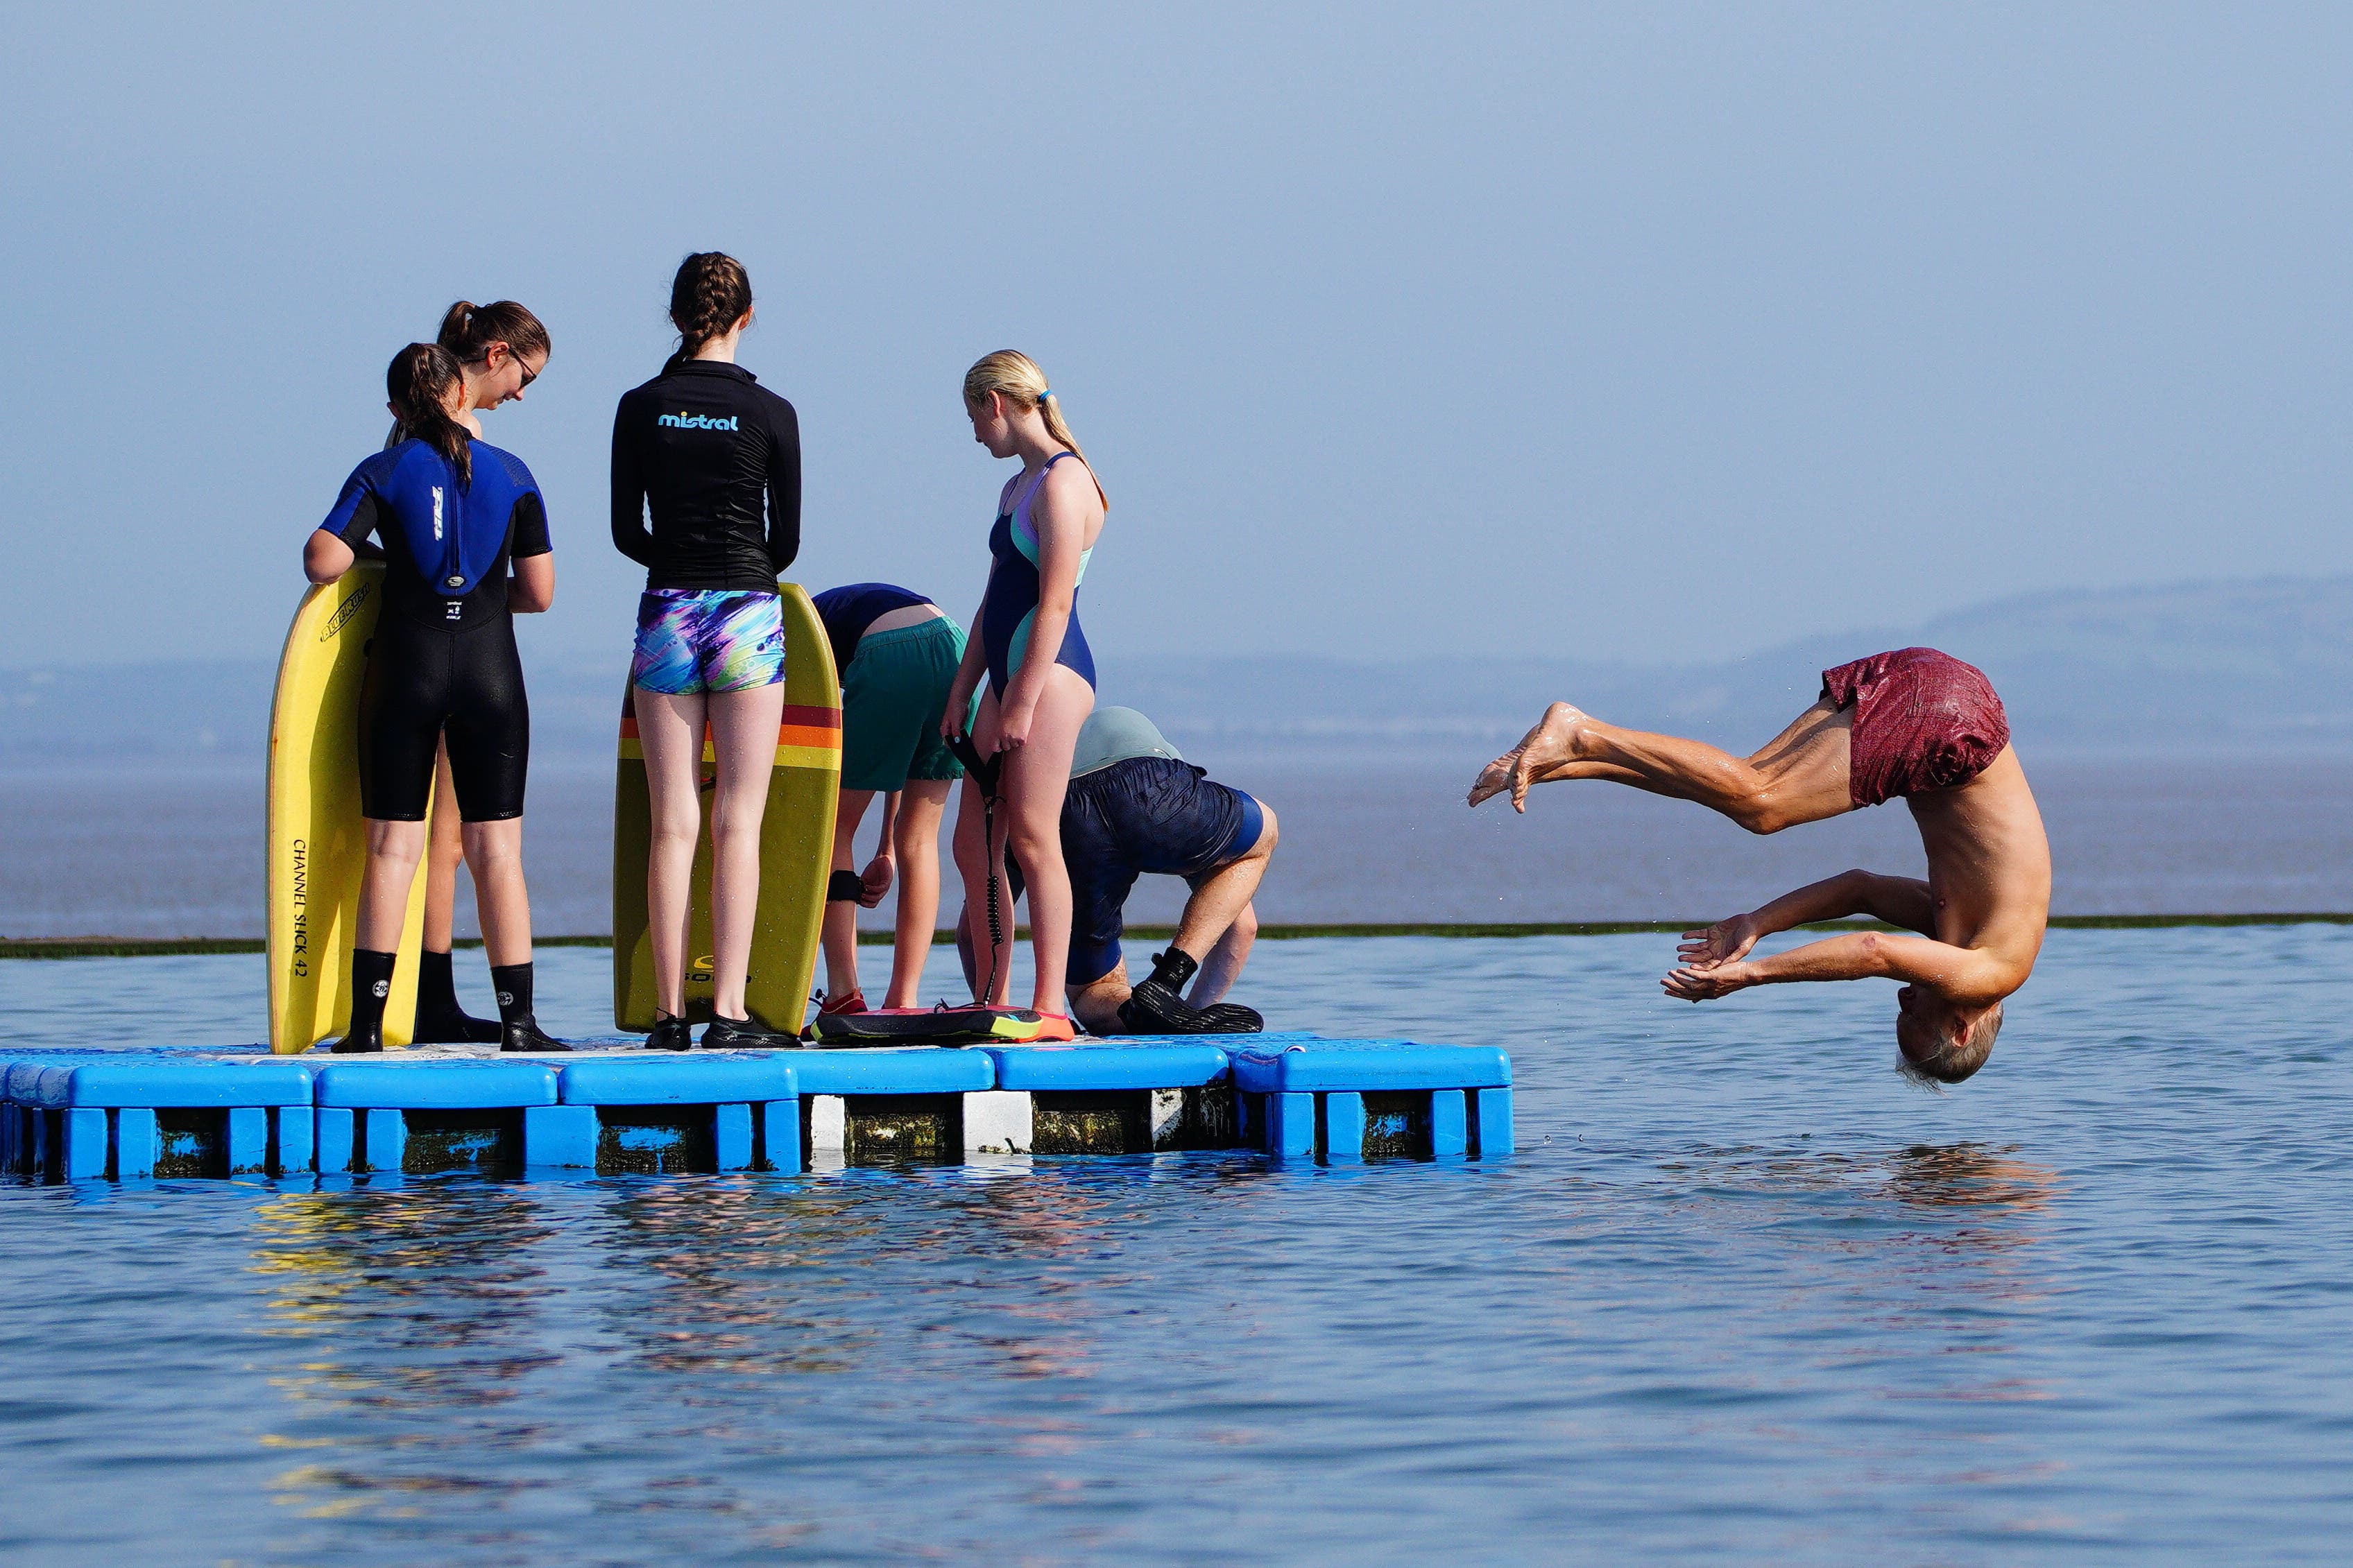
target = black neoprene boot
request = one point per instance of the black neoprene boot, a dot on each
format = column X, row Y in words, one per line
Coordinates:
column 671, row 1035
column 525, row 1034
column 518, row 1026
column 441, row 1021
column 371, row 984
column 1157, row 1005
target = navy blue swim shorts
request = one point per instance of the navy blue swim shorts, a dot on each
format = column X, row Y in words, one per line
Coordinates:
column 1146, row 814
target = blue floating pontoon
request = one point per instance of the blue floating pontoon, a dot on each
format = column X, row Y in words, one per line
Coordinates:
column 1346, row 1100
column 69, row 1115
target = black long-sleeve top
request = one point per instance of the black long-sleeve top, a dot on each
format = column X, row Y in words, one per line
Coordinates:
column 702, row 445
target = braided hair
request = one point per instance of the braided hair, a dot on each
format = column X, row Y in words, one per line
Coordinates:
column 710, row 294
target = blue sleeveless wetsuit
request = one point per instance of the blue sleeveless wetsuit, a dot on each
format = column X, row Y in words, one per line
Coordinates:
column 1010, row 606
column 443, row 660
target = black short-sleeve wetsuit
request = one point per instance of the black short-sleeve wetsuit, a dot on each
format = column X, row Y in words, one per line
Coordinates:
column 716, row 458
column 443, row 661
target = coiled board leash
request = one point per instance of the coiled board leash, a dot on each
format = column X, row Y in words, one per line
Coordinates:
column 986, row 772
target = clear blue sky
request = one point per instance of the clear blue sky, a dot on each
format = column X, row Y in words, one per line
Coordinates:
column 1648, row 332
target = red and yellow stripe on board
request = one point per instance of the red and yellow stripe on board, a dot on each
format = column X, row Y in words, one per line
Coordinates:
column 808, row 738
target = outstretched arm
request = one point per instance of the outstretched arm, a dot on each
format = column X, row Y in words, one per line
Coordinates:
column 1958, row 973
column 1903, row 902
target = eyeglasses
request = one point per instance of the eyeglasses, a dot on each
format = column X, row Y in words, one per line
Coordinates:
column 529, row 374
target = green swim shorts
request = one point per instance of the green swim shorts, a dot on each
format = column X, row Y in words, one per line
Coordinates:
column 893, row 696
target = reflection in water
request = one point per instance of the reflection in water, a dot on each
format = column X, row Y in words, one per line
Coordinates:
column 1971, row 1175
column 1958, row 1294
column 419, row 1306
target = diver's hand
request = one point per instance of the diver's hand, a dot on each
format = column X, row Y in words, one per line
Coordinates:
column 1726, row 942
column 1693, row 984
column 876, row 881
column 1543, row 748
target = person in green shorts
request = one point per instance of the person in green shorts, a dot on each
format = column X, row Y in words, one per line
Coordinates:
column 897, row 654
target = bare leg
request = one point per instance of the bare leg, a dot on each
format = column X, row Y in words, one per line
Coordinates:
column 1224, row 964
column 1036, row 779
column 744, row 734
column 1097, row 1003
column 672, row 729
column 442, row 857
column 1223, row 895
column 1799, row 776
column 841, row 914
column 976, row 859
column 394, row 848
column 494, row 856
column 917, row 840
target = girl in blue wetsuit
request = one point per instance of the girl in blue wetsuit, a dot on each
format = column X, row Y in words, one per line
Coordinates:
column 1040, row 672
column 501, row 348
column 454, row 513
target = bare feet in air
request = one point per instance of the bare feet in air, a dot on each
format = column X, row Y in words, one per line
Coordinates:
column 1552, row 743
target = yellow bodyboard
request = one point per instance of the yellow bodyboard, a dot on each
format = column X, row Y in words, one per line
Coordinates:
column 795, row 847
column 317, row 843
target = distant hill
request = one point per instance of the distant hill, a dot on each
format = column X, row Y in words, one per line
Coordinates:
column 2205, row 666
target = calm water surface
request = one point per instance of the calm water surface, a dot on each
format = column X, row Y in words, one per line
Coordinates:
column 1743, row 1294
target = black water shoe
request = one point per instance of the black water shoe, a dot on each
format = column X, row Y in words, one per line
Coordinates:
column 1157, row 1005
column 525, row 1034
column 366, row 1040
column 671, row 1035
column 1231, row 1018
column 746, row 1034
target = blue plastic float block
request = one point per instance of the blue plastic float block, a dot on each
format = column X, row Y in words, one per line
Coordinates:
column 745, row 1093
column 437, row 1083
column 360, row 1100
column 265, row 1102
column 103, row 1107
column 1320, row 1066
column 1118, row 1063
column 1305, row 1097
column 895, row 1069
column 715, row 1077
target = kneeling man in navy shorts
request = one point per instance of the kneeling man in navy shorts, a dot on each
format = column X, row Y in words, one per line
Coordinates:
column 1137, row 806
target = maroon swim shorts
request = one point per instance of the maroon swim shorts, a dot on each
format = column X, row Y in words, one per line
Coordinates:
column 1923, row 721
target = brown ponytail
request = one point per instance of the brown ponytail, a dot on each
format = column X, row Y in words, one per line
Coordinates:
column 710, row 294
column 468, row 330
column 418, row 383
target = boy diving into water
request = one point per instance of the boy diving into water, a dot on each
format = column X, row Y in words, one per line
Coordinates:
column 1914, row 724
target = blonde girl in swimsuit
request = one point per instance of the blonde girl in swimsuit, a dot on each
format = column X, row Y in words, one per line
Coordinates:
column 1040, row 672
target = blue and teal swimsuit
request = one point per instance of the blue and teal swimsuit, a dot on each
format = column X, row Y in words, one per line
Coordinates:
column 1010, row 606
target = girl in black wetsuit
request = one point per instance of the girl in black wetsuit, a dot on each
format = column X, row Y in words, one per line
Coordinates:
column 716, row 458
column 452, row 512
column 501, row 349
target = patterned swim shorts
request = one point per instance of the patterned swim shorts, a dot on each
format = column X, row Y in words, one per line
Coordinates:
column 711, row 640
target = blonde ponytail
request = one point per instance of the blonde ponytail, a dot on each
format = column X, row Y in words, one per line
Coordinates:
column 1017, row 375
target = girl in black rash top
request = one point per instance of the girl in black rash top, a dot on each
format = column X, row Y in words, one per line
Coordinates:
column 716, row 458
